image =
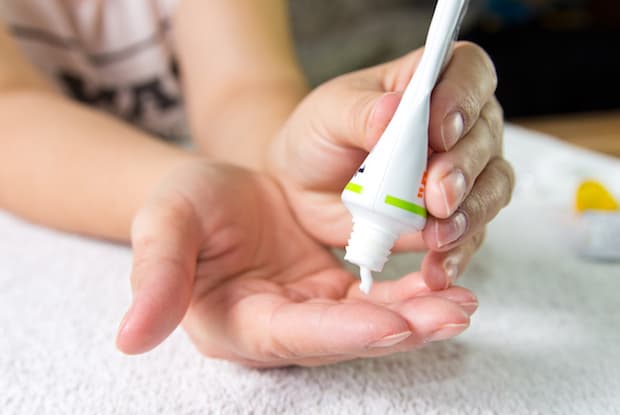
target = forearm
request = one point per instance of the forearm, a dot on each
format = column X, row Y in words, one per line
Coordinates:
column 240, row 75
column 72, row 168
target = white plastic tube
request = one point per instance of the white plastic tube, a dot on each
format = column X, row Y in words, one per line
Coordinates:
column 386, row 195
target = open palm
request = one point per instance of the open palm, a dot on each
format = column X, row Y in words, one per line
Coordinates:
column 218, row 248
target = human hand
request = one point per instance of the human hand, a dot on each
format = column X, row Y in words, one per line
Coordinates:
column 334, row 128
column 218, row 248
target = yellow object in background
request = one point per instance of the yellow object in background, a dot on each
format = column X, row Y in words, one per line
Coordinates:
column 591, row 195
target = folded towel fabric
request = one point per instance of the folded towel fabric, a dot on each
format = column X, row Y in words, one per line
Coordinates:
column 544, row 341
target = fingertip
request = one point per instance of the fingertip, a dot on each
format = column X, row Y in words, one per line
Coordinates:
column 461, row 296
column 448, row 331
column 429, row 233
column 448, row 122
column 381, row 115
column 445, row 234
column 452, row 129
column 437, row 199
column 411, row 241
column 434, row 274
column 470, row 307
column 468, row 82
column 132, row 338
column 147, row 323
column 447, row 186
column 162, row 294
column 125, row 341
column 394, row 291
column 428, row 315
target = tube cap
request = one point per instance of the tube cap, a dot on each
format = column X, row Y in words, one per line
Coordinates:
column 370, row 245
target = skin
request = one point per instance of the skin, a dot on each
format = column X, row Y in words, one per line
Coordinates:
column 289, row 301
column 90, row 164
column 73, row 169
column 237, row 105
column 355, row 109
column 251, row 286
column 240, row 255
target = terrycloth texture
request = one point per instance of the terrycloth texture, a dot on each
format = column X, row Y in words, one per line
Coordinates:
column 544, row 341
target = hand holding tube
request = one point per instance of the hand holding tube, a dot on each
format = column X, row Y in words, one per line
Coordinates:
column 468, row 181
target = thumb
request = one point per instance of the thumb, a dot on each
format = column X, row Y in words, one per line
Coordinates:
column 356, row 119
column 357, row 107
column 166, row 241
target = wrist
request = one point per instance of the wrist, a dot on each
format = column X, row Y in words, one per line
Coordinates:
column 239, row 126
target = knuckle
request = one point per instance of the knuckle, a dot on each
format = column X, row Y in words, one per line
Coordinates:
column 331, row 84
column 468, row 47
column 478, row 238
column 142, row 245
column 491, row 193
column 475, row 66
column 474, row 208
column 509, row 176
column 497, row 106
column 175, row 208
column 477, row 53
column 503, row 180
column 490, row 66
column 158, row 218
column 492, row 117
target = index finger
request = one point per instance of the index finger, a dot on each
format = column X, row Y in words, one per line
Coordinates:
column 467, row 84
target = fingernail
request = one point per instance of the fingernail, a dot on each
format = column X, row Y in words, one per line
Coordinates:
column 447, row 331
column 391, row 340
column 451, row 268
column 122, row 327
column 453, row 184
column 452, row 129
column 380, row 114
column 469, row 307
column 450, row 230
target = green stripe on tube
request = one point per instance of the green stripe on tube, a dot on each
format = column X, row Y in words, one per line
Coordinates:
column 354, row 187
column 405, row 205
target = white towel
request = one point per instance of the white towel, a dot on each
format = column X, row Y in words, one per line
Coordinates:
column 544, row 341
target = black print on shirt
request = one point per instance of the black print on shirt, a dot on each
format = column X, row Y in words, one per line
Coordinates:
column 174, row 68
column 150, row 91
column 33, row 34
column 104, row 97
column 140, row 95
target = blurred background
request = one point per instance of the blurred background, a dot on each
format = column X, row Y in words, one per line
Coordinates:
column 553, row 57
